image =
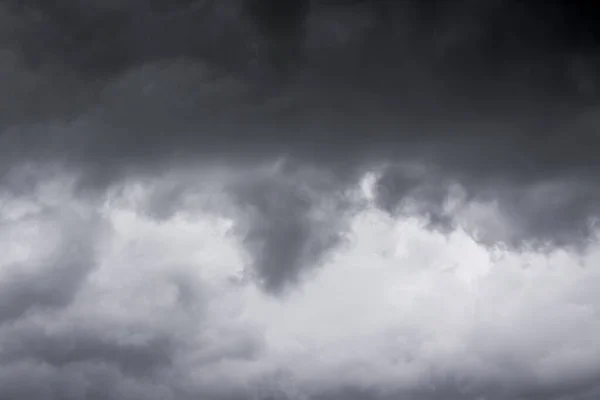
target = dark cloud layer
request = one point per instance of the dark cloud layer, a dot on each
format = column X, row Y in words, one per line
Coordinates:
column 485, row 91
column 412, row 67
column 499, row 96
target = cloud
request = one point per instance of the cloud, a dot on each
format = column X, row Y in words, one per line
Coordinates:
column 65, row 243
column 289, row 217
column 542, row 212
column 62, row 349
column 310, row 200
column 113, row 95
column 292, row 222
column 397, row 310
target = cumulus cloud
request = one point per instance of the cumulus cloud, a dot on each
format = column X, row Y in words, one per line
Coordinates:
column 48, row 252
column 304, row 199
column 397, row 310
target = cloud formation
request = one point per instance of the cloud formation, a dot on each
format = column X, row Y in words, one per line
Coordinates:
column 398, row 310
column 136, row 86
column 303, row 200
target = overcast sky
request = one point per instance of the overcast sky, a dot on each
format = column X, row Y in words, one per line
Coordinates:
column 299, row 200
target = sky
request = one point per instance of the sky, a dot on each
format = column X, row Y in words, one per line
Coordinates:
column 300, row 200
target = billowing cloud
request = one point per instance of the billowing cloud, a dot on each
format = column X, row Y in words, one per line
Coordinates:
column 48, row 251
column 136, row 87
column 304, row 199
column 397, row 310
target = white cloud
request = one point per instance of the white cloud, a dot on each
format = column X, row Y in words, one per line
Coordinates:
column 398, row 308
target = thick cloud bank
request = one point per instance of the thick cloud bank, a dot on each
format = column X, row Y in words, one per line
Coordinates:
column 163, row 309
column 317, row 199
column 499, row 96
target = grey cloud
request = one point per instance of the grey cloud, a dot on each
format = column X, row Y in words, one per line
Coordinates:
column 76, row 361
column 55, row 282
column 77, row 346
column 55, row 344
column 456, row 388
column 137, row 87
column 491, row 98
column 359, row 100
column 100, row 39
column 414, row 192
column 91, row 381
column 540, row 213
column 134, row 88
column 50, row 288
column 132, row 34
column 291, row 222
column 447, row 388
column 53, row 354
column 288, row 216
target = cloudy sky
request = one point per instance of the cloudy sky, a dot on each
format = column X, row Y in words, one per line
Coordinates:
column 299, row 200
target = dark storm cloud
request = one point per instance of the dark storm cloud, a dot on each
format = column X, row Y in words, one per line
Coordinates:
column 486, row 92
column 496, row 97
column 542, row 212
column 291, row 222
column 395, row 59
column 80, row 44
